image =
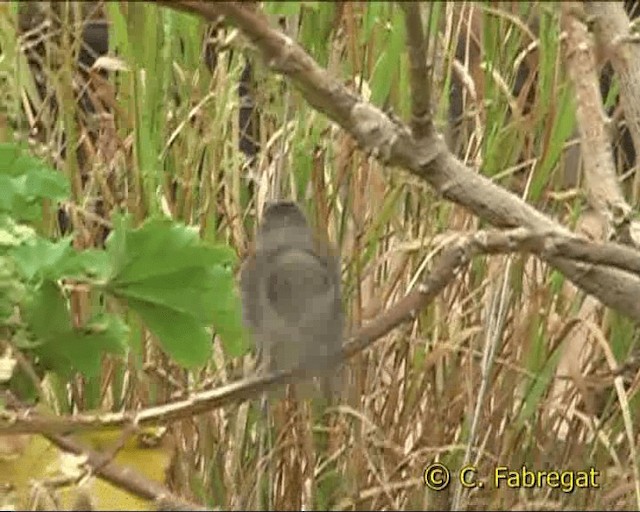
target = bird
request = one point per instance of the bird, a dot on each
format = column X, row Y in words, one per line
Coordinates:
column 291, row 299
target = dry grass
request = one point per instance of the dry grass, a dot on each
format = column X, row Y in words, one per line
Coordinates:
column 472, row 380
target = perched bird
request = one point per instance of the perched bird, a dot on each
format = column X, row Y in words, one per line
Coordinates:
column 291, row 297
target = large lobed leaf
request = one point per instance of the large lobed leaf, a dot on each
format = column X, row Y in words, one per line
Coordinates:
column 59, row 345
column 178, row 285
column 25, row 181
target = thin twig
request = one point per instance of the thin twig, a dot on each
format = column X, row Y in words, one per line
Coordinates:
column 448, row 265
column 392, row 143
column 124, row 477
column 421, row 121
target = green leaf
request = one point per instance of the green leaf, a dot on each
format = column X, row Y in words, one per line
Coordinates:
column 166, row 265
column 46, row 311
column 227, row 315
column 116, row 243
column 25, row 180
column 180, row 335
column 12, row 202
column 43, row 258
column 10, row 159
column 161, row 246
column 88, row 263
column 61, row 347
column 189, row 291
column 42, row 182
column 81, row 350
column 178, row 285
column 101, row 335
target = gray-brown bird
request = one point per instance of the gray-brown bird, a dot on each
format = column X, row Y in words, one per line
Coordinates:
column 291, row 297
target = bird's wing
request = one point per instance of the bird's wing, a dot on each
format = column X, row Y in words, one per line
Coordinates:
column 298, row 283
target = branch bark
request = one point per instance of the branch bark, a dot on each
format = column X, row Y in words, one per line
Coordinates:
column 449, row 264
column 392, row 142
column 603, row 190
column 612, row 30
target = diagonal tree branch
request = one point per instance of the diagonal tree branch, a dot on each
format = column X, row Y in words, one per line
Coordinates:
column 448, row 265
column 433, row 162
column 429, row 159
column 444, row 271
column 124, row 477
